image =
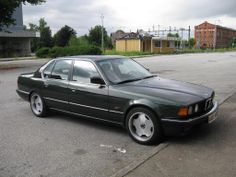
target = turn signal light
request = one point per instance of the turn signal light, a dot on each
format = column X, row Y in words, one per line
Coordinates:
column 183, row 112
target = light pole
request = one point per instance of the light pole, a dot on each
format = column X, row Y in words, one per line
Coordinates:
column 102, row 17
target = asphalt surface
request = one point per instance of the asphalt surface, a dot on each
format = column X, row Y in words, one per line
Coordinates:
column 208, row 151
column 60, row 145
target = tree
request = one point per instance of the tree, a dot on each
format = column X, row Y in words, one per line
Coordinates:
column 79, row 41
column 45, row 39
column 95, row 36
column 191, row 42
column 63, row 36
column 7, row 8
column 173, row 35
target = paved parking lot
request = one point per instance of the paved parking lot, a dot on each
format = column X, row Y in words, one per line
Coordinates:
column 69, row 146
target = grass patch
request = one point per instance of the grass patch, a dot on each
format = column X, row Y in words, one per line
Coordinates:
column 114, row 52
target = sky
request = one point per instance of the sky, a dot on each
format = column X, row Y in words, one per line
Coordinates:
column 130, row 15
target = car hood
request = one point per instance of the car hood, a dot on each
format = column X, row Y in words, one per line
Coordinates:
column 177, row 91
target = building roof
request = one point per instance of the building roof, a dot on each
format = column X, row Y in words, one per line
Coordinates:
column 132, row 35
column 218, row 26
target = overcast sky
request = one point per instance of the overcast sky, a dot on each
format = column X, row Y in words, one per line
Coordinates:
column 131, row 14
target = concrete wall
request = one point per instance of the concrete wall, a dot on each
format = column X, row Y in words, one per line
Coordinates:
column 14, row 47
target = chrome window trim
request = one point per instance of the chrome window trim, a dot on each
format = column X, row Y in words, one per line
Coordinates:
column 41, row 70
column 96, row 67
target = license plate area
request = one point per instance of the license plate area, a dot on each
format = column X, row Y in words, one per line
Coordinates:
column 212, row 117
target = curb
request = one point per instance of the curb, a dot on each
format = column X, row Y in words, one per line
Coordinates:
column 142, row 159
column 17, row 59
column 226, row 98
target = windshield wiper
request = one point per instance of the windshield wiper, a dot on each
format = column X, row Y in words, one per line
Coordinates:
column 129, row 80
column 149, row 77
column 136, row 79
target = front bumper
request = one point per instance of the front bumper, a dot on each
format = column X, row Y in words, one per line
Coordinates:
column 172, row 126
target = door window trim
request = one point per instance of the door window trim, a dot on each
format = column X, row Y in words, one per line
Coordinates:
column 86, row 83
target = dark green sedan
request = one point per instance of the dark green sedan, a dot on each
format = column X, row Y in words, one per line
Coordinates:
column 118, row 90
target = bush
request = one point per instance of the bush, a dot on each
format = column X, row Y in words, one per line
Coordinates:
column 69, row 51
column 43, row 52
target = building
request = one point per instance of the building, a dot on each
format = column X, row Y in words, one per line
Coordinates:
column 14, row 40
column 117, row 35
column 208, row 35
column 136, row 42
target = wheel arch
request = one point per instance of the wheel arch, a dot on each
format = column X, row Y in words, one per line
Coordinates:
column 144, row 104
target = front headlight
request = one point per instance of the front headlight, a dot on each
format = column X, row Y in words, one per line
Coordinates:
column 190, row 110
column 196, row 108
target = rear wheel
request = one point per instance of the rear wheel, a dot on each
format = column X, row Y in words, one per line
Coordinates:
column 143, row 126
column 37, row 105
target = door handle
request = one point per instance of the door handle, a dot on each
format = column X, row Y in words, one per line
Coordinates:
column 45, row 85
column 73, row 90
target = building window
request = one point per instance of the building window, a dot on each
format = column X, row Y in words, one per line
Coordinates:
column 157, row 44
column 168, row 43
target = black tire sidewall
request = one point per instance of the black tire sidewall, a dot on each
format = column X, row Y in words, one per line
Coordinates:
column 157, row 136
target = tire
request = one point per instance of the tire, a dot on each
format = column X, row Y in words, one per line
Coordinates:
column 37, row 105
column 144, row 126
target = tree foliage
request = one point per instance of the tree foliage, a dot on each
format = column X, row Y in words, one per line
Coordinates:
column 95, row 37
column 7, row 8
column 45, row 39
column 63, row 36
column 172, row 35
column 79, row 41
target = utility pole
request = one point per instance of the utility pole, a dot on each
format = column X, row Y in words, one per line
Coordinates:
column 182, row 35
column 189, row 36
column 102, row 17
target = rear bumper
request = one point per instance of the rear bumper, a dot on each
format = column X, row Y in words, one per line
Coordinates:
column 173, row 126
column 23, row 94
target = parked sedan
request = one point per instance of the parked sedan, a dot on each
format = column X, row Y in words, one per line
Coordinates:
column 118, row 90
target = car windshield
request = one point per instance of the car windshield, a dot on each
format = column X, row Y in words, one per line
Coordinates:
column 123, row 70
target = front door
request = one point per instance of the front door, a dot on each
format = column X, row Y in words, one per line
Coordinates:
column 86, row 98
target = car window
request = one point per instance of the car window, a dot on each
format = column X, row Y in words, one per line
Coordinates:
column 61, row 69
column 120, row 70
column 48, row 70
column 83, row 71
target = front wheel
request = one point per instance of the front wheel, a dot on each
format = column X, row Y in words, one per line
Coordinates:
column 144, row 126
column 37, row 105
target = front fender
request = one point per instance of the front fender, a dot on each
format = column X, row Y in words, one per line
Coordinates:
column 143, row 103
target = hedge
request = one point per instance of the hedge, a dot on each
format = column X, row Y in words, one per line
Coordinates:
column 68, row 51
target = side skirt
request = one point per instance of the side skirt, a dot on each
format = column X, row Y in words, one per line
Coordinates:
column 90, row 117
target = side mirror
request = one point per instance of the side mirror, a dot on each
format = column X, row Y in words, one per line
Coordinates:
column 97, row 80
column 147, row 69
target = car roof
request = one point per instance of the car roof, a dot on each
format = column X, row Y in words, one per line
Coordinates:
column 92, row 57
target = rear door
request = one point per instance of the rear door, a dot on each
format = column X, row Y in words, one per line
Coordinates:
column 55, row 89
column 86, row 98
